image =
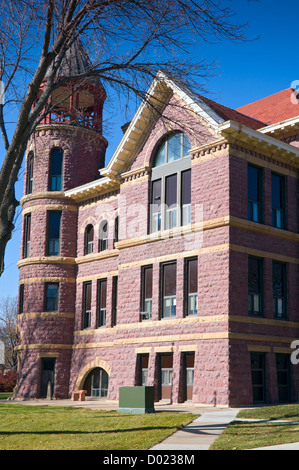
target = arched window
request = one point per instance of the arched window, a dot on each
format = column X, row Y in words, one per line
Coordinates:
column 55, row 173
column 174, row 147
column 103, row 242
column 88, row 246
column 96, row 383
column 170, row 203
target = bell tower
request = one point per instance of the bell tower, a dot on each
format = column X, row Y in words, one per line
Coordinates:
column 66, row 150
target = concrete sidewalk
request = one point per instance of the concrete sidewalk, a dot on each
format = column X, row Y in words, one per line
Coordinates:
column 201, row 433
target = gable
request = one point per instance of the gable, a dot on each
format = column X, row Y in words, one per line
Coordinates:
column 157, row 105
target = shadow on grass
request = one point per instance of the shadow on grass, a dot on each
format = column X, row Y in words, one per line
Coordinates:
column 109, row 431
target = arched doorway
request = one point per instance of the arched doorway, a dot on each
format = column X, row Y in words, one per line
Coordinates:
column 96, row 383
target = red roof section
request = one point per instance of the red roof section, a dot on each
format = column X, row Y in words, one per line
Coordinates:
column 229, row 114
column 273, row 108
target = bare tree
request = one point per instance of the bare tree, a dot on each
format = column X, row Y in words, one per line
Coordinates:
column 130, row 41
column 8, row 332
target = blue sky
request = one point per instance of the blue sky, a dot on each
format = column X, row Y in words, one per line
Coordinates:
column 246, row 73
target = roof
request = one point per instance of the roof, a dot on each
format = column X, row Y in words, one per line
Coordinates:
column 76, row 62
column 274, row 108
column 210, row 110
column 229, row 114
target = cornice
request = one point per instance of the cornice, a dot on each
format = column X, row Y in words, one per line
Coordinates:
column 46, row 260
column 255, row 141
column 49, row 128
column 43, row 195
column 96, row 256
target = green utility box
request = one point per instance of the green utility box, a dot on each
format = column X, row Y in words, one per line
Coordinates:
column 136, row 400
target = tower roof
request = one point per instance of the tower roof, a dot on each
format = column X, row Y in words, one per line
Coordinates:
column 76, row 62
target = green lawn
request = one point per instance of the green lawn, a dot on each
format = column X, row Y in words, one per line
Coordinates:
column 246, row 435
column 5, row 395
column 24, row 427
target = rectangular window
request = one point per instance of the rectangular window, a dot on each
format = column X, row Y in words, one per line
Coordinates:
column 116, row 230
column 102, row 301
column 27, row 231
column 51, row 298
column 143, row 369
column 55, row 169
column 29, row 185
column 114, row 299
column 171, row 201
column 156, row 206
column 146, row 292
column 168, row 290
column 283, row 377
column 188, row 376
column 258, row 374
column 191, row 287
column 278, row 201
column 54, row 220
column 254, row 185
column 255, row 286
column 21, row 299
column 279, row 290
column 186, row 197
column 166, row 369
column 86, row 304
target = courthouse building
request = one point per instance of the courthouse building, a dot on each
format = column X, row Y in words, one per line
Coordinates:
column 176, row 265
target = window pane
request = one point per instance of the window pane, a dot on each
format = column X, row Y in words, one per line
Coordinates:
column 148, row 282
column 160, row 157
column 103, row 294
column 104, row 237
column 277, row 191
column 169, row 290
column 55, row 170
column 253, row 183
column 54, row 228
column 171, row 190
column 186, row 187
column 254, row 193
column 52, row 297
column 27, row 230
column 255, row 286
column 87, row 296
column 174, row 147
column 54, row 233
column 279, row 289
column 191, row 293
column 186, row 146
column 192, row 276
column 169, row 281
column 156, row 206
column 254, row 276
column 86, row 304
column 277, row 200
column 147, row 290
column 114, row 300
column 171, row 201
column 30, row 173
column 21, row 298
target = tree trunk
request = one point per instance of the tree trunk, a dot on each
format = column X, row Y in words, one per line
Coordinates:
column 7, row 213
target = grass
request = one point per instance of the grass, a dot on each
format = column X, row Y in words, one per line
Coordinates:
column 246, row 435
column 5, row 395
column 25, row 427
